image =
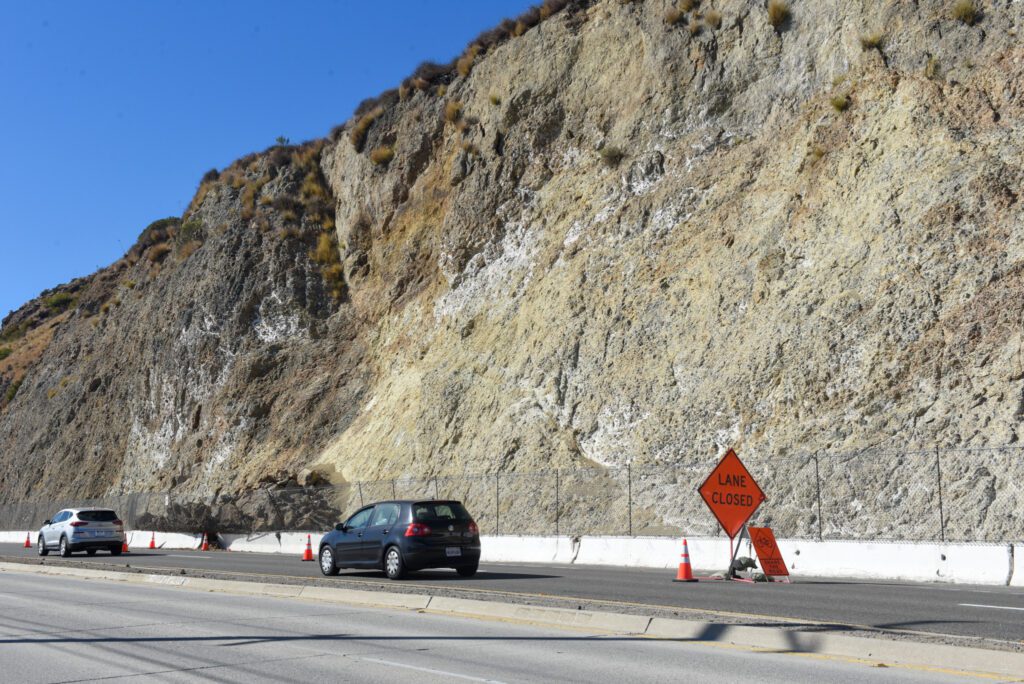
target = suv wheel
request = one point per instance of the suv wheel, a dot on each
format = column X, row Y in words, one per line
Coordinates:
column 115, row 550
column 394, row 568
column 327, row 565
column 65, row 548
column 41, row 543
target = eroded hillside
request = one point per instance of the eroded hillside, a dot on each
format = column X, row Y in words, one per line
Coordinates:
column 620, row 235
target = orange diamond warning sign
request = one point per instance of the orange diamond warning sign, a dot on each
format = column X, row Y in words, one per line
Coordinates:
column 768, row 551
column 731, row 493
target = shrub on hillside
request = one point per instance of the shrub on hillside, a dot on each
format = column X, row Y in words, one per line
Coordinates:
column 59, row 302
column 382, row 155
column 966, row 11
column 452, row 111
column 872, row 41
column 778, row 13
column 158, row 253
column 840, row 103
column 611, row 155
column 362, row 127
column 713, row 18
column 5, row 352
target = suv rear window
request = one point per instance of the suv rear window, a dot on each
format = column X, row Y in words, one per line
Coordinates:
column 447, row 510
column 97, row 516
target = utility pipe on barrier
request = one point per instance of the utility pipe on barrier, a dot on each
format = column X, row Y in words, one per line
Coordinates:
column 817, row 487
column 942, row 515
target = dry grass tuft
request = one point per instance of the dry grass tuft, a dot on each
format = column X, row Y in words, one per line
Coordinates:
column 931, row 68
column 382, row 155
column 673, row 16
column 357, row 136
column 872, row 41
column 713, row 18
column 464, row 65
column 158, row 253
column 778, row 13
column 840, row 103
column 966, row 12
column 694, row 27
column 453, row 111
column 611, row 155
column 495, row 99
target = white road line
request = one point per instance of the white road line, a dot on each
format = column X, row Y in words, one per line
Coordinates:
column 443, row 673
column 981, row 605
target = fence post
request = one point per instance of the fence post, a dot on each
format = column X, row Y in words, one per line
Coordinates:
column 629, row 496
column 556, row 502
column 938, row 477
column 497, row 508
column 359, row 487
column 394, row 491
column 437, row 494
column 817, row 488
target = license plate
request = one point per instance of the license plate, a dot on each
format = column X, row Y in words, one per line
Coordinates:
column 102, row 533
column 452, row 551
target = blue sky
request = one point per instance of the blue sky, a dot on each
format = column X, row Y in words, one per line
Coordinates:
column 113, row 110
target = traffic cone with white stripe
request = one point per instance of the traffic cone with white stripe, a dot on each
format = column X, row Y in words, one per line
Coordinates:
column 206, row 544
column 152, row 541
column 124, row 544
column 685, row 573
column 307, row 555
column 28, row 540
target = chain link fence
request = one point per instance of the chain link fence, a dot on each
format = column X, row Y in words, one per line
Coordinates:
column 967, row 495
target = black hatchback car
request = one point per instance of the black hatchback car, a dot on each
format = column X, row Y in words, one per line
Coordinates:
column 399, row 536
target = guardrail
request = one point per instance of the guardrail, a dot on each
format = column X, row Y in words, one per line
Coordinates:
column 938, row 494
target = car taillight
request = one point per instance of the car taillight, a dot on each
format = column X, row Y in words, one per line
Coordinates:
column 78, row 523
column 118, row 523
column 417, row 530
column 473, row 529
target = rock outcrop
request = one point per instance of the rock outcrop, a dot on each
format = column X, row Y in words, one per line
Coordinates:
column 611, row 239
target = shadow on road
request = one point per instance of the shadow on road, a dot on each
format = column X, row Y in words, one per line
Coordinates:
column 448, row 576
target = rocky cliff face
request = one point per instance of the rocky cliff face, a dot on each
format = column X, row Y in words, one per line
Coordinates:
column 610, row 239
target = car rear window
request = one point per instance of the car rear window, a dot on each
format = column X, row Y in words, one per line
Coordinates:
column 447, row 510
column 97, row 516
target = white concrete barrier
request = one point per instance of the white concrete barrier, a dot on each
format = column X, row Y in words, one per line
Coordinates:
column 994, row 564
column 518, row 549
column 272, row 542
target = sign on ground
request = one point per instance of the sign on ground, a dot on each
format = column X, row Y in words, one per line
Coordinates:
column 731, row 493
column 768, row 551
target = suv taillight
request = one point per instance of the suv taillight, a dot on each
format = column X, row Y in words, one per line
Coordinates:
column 417, row 530
column 79, row 523
column 473, row 529
column 118, row 523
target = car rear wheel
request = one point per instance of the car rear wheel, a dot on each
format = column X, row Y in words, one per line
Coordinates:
column 41, row 543
column 327, row 565
column 115, row 550
column 467, row 570
column 394, row 567
column 65, row 548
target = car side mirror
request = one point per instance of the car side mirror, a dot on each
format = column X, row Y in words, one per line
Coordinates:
column 46, row 522
column 341, row 527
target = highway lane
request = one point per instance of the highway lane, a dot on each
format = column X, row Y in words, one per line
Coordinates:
column 59, row 629
column 969, row 611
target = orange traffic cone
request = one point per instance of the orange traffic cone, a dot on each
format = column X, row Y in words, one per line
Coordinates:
column 28, row 540
column 152, row 541
column 307, row 555
column 206, row 544
column 124, row 544
column 685, row 573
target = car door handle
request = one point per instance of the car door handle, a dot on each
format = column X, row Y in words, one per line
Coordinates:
column 360, row 534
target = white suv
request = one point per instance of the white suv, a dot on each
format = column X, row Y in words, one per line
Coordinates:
column 82, row 529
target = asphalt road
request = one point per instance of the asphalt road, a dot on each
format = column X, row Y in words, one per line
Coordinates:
column 995, row 613
column 57, row 629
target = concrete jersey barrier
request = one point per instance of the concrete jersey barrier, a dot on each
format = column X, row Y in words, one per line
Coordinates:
column 992, row 564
